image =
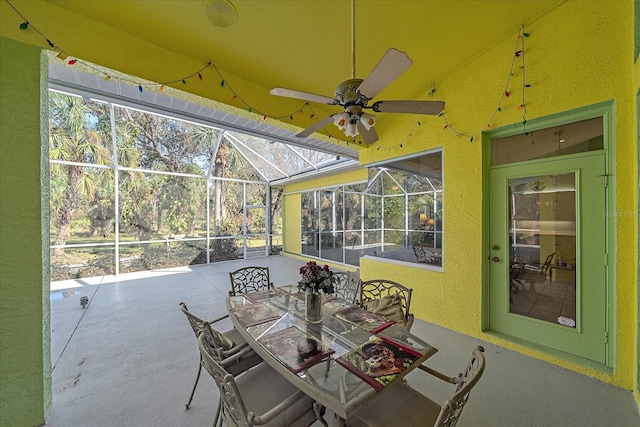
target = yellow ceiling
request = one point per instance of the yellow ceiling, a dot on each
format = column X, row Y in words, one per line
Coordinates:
column 304, row 44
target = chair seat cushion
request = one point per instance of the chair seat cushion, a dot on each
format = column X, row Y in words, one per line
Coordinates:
column 263, row 388
column 389, row 307
column 233, row 338
column 400, row 405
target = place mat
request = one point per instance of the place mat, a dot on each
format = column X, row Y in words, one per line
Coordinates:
column 296, row 349
column 266, row 294
column 254, row 314
column 378, row 362
column 364, row 319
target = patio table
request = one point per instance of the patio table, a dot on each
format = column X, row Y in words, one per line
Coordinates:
column 266, row 319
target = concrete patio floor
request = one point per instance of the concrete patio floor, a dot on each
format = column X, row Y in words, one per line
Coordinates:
column 130, row 359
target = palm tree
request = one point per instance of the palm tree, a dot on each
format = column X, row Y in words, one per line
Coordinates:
column 76, row 134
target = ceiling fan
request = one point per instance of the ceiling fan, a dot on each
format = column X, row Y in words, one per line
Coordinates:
column 353, row 96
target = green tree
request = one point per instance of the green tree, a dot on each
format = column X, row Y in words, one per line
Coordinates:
column 76, row 134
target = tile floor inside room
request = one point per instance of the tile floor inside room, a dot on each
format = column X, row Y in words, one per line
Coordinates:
column 130, row 358
column 550, row 300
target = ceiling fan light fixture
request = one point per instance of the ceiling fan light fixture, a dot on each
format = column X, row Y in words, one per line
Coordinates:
column 351, row 130
column 341, row 120
column 368, row 120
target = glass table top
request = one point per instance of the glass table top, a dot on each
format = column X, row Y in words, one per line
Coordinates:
column 276, row 313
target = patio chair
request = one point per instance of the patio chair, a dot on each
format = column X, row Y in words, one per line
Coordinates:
column 421, row 254
column 389, row 299
column 412, row 408
column 249, row 279
column 228, row 347
column 347, row 286
column 260, row 397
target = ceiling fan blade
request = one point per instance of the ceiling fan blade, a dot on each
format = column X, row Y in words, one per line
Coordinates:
column 412, row 107
column 368, row 136
column 290, row 93
column 319, row 125
column 390, row 66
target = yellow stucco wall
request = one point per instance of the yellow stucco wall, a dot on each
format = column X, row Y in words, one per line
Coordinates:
column 577, row 55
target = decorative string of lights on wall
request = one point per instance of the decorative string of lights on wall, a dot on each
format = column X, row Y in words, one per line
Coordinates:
column 519, row 52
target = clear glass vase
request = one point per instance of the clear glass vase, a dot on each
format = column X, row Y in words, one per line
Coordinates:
column 314, row 307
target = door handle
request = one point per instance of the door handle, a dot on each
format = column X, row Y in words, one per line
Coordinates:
column 495, row 259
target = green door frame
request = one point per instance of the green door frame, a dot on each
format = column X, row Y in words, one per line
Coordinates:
column 606, row 110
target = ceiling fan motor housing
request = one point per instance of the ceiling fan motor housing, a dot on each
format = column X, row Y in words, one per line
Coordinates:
column 347, row 93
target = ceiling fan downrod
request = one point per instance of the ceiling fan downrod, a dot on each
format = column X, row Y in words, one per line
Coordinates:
column 353, row 39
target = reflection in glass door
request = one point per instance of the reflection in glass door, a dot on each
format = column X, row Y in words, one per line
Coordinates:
column 542, row 247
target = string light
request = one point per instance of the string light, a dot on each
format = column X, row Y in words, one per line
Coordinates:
column 25, row 24
column 519, row 52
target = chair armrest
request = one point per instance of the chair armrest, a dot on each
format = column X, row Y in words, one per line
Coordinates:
column 233, row 350
column 211, row 322
column 239, row 352
column 276, row 410
column 437, row 374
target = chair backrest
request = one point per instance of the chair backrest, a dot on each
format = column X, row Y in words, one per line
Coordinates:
column 378, row 288
column 421, row 254
column 544, row 268
column 465, row 381
column 347, row 286
column 216, row 341
column 235, row 409
column 249, row 279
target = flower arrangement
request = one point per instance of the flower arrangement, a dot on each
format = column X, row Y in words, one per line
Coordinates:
column 316, row 278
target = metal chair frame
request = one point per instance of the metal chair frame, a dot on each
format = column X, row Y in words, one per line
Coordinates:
column 464, row 381
column 378, row 288
column 347, row 286
column 216, row 342
column 418, row 409
column 235, row 411
column 249, row 279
